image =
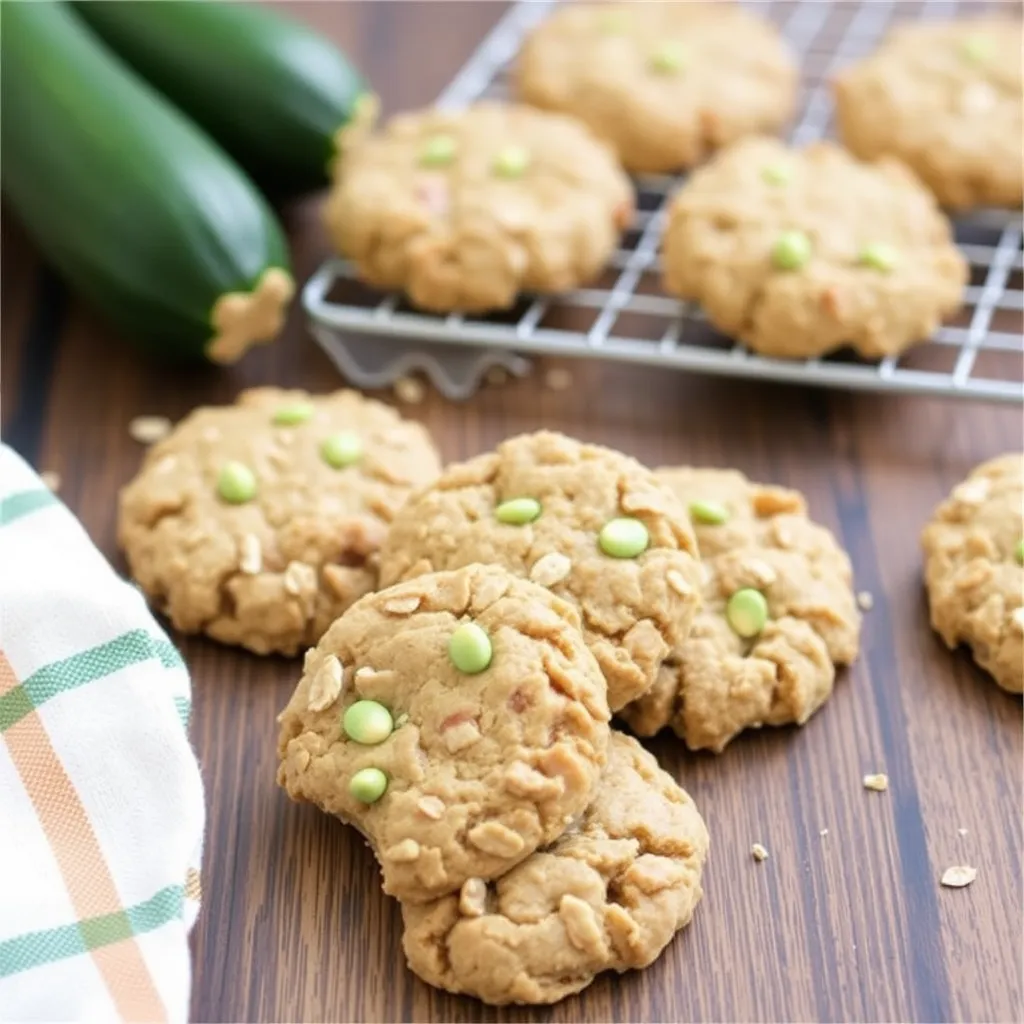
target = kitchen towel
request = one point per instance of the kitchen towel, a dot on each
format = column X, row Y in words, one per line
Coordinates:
column 101, row 802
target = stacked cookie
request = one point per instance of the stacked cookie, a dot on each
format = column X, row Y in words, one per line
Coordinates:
column 793, row 252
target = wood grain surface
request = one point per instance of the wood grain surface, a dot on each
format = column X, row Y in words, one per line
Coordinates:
column 846, row 919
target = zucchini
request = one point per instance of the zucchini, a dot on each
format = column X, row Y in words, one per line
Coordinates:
column 134, row 205
column 271, row 91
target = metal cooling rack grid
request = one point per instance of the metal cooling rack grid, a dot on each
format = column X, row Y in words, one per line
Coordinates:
column 624, row 316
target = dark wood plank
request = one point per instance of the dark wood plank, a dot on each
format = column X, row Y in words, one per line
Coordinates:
column 849, row 925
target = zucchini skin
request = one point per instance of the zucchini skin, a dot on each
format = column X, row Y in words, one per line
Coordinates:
column 271, row 91
column 128, row 200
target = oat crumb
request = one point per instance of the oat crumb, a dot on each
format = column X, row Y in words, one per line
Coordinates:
column 961, row 831
column 149, row 429
column 823, row 832
column 51, row 479
column 878, row 782
column 958, row 876
column 558, row 379
column 410, row 390
column 865, row 601
column 758, row 852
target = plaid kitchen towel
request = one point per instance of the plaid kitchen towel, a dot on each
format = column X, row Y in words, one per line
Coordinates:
column 101, row 803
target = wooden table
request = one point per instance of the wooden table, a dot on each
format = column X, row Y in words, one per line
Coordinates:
column 845, row 921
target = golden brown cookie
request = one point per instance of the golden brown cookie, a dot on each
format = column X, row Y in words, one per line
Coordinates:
column 664, row 83
column 609, row 895
column 551, row 509
column 974, row 550
column 778, row 613
column 799, row 252
column 944, row 97
column 465, row 209
column 258, row 523
column 457, row 720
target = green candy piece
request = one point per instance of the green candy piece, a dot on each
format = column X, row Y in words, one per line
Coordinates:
column 368, row 785
column 290, row 415
column 714, row 513
column 623, row 538
column 1020, row 551
column 976, row 49
column 342, row 449
column 668, row 59
column 470, row 648
column 517, row 511
column 236, row 483
column 512, row 162
column 879, row 256
column 776, row 174
column 439, row 151
column 791, row 251
column 368, row 722
column 747, row 612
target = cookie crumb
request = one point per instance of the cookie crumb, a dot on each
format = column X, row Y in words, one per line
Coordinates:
column 558, row 379
column 879, row 782
column 496, row 376
column 325, row 688
column 958, row 876
column 149, row 429
column 961, row 831
column 823, row 832
column 250, row 559
column 410, row 390
column 51, row 479
column 758, row 852
column 865, row 602
column 550, row 569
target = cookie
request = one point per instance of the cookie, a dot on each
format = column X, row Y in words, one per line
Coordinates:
column 259, row 523
column 665, row 84
column 458, row 720
column 591, row 524
column 779, row 612
column 609, row 895
column 944, row 97
column 799, row 252
column 974, row 550
column 464, row 209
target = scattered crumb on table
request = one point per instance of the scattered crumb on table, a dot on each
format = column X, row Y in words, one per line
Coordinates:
column 149, row 429
column 865, row 601
column 879, row 782
column 958, row 876
column 410, row 390
column 758, row 852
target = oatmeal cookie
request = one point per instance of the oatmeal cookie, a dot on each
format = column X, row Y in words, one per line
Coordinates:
column 664, row 83
column 609, row 895
column 974, row 550
column 779, row 612
column 259, row 523
column 945, row 98
column 799, row 252
column 591, row 524
column 465, row 209
column 457, row 720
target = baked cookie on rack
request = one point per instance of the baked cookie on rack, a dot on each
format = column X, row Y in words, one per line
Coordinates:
column 609, row 895
column 664, row 83
column 465, row 209
column 946, row 98
column 592, row 525
column 779, row 613
column 796, row 252
column 258, row 523
column 457, row 720
column 974, row 568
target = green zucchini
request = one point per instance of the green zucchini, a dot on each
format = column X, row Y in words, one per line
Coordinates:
column 271, row 91
column 134, row 205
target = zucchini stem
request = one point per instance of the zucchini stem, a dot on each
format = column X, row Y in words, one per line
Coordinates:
column 243, row 319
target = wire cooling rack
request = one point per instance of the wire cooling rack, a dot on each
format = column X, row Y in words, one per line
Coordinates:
column 625, row 316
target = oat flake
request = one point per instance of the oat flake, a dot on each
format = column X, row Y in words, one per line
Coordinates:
column 958, row 876
column 878, row 782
